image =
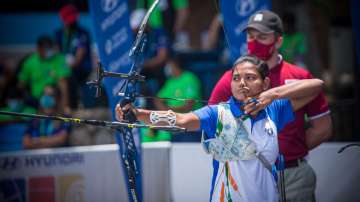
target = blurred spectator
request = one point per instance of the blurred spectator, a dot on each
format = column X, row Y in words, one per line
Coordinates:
column 15, row 102
column 215, row 36
column 74, row 42
column 12, row 128
column 155, row 55
column 215, row 40
column 170, row 15
column 7, row 78
column 45, row 133
column 180, row 84
column 293, row 48
column 45, row 67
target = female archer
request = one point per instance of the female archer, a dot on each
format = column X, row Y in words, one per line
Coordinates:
column 241, row 134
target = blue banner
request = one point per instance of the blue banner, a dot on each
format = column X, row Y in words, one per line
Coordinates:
column 113, row 36
column 235, row 15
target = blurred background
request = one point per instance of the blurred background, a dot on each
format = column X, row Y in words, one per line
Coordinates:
column 328, row 51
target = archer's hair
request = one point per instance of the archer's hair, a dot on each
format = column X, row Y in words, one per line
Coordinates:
column 260, row 65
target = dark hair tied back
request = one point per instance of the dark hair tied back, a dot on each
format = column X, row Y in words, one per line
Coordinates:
column 261, row 65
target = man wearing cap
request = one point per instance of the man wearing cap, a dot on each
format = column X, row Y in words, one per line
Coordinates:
column 264, row 38
column 74, row 41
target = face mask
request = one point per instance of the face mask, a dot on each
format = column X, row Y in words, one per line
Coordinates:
column 168, row 70
column 260, row 50
column 49, row 53
column 47, row 101
column 15, row 105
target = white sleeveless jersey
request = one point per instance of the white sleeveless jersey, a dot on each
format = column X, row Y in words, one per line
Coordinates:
column 248, row 179
column 238, row 175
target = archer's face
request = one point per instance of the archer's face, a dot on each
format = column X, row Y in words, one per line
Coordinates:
column 247, row 82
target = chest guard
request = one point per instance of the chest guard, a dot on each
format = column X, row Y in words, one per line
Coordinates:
column 231, row 142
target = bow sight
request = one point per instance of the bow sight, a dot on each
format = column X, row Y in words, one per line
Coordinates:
column 133, row 76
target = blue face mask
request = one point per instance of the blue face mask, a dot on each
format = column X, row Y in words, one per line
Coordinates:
column 15, row 105
column 47, row 101
column 49, row 53
column 168, row 71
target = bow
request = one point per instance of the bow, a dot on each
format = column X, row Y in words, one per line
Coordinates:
column 128, row 149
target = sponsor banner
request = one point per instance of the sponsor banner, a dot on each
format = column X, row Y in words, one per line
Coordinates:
column 61, row 176
column 114, row 38
column 23, row 163
column 83, row 174
column 235, row 16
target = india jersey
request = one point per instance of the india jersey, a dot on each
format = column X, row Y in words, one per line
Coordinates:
column 245, row 177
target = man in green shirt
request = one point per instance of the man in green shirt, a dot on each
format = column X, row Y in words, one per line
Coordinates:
column 180, row 84
column 43, row 68
column 293, row 48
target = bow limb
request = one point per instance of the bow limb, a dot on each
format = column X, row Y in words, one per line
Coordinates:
column 129, row 153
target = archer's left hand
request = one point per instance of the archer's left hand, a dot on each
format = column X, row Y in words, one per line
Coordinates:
column 126, row 112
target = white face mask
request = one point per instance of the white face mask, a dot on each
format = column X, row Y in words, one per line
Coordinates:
column 168, row 70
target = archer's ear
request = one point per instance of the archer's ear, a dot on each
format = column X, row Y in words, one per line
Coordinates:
column 266, row 84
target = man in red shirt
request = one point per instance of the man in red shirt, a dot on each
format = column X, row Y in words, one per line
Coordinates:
column 264, row 38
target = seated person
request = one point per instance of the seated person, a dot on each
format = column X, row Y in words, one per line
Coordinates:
column 45, row 133
column 180, row 84
column 14, row 100
column 12, row 128
column 45, row 67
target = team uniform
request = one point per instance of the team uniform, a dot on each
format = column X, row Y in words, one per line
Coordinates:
column 187, row 86
column 234, row 142
column 39, row 73
column 292, row 142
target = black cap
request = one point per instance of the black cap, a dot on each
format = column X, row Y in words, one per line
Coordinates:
column 265, row 21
